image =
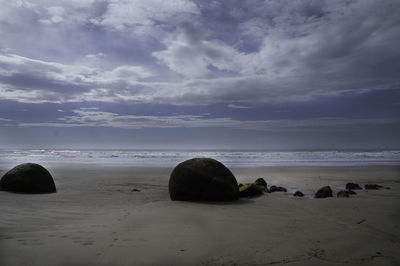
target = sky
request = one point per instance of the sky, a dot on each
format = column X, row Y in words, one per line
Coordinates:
column 290, row 74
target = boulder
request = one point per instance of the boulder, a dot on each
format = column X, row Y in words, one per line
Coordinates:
column 373, row 186
column 251, row 190
column 324, row 192
column 343, row 194
column 352, row 186
column 28, row 178
column 298, row 194
column 203, row 179
column 275, row 188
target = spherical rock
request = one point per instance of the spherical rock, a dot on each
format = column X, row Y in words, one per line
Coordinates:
column 28, row 178
column 324, row 192
column 203, row 179
column 298, row 193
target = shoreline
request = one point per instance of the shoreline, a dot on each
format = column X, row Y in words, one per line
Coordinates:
column 9, row 165
column 395, row 167
column 230, row 158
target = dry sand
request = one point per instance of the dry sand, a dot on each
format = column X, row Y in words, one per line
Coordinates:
column 96, row 219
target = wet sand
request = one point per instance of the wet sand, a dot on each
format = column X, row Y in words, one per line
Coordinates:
column 97, row 218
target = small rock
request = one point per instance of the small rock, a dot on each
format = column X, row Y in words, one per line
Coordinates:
column 251, row 190
column 275, row 188
column 361, row 221
column 372, row 186
column 135, row 190
column 324, row 192
column 261, row 181
column 298, row 194
column 353, row 186
column 351, row 192
column 343, row 194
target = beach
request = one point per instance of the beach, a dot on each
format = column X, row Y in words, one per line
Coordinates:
column 109, row 215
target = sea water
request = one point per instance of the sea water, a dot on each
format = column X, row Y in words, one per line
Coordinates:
column 170, row 158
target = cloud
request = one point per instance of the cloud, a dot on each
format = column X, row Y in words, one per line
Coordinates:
column 197, row 53
column 89, row 108
column 89, row 117
column 308, row 40
column 51, row 12
column 147, row 17
column 197, row 58
column 236, row 106
column 56, row 14
column 30, row 80
column 127, row 73
column 307, row 49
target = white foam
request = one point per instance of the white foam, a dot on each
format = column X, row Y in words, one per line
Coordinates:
column 230, row 158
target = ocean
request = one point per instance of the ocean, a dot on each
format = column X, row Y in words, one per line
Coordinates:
column 170, row 158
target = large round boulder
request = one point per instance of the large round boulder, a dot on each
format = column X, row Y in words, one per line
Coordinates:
column 203, row 179
column 28, row 178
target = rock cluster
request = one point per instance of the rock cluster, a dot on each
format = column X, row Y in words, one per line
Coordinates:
column 253, row 189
